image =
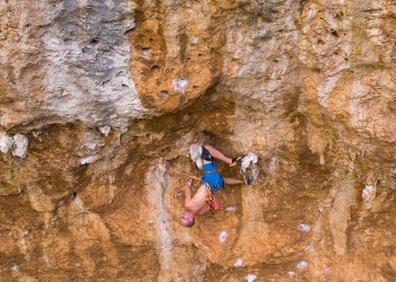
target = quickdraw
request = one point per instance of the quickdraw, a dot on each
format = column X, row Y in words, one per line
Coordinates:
column 212, row 202
column 209, row 199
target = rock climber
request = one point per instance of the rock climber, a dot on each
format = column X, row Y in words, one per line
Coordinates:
column 211, row 182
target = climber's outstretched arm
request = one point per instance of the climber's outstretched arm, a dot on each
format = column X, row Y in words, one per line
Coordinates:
column 217, row 154
column 187, row 193
column 232, row 181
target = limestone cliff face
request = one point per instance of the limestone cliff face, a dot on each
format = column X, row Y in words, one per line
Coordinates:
column 65, row 61
column 99, row 101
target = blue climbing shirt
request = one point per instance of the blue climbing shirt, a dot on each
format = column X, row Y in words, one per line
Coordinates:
column 212, row 177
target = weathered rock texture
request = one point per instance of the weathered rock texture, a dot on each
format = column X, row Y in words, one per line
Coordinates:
column 110, row 94
column 65, row 61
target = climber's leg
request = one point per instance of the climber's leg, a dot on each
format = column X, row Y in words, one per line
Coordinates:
column 232, row 181
column 217, row 154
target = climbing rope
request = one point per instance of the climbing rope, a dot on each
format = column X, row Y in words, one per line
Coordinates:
column 184, row 174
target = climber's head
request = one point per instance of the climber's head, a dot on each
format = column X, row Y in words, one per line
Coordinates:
column 187, row 219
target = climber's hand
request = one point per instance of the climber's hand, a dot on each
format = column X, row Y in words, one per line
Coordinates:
column 236, row 161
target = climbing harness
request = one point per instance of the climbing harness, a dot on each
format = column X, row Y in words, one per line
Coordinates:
column 211, row 200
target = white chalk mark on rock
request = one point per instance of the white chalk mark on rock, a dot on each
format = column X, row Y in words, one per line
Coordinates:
column 15, row 267
column 105, row 130
column 180, row 84
column 238, row 262
column 231, row 209
column 223, row 236
column 291, row 274
column 88, row 160
column 304, row 228
column 251, row 277
column 302, row 265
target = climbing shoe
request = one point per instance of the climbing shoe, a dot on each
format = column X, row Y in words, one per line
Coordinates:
column 236, row 160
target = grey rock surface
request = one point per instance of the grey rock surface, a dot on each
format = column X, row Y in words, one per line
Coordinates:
column 72, row 62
